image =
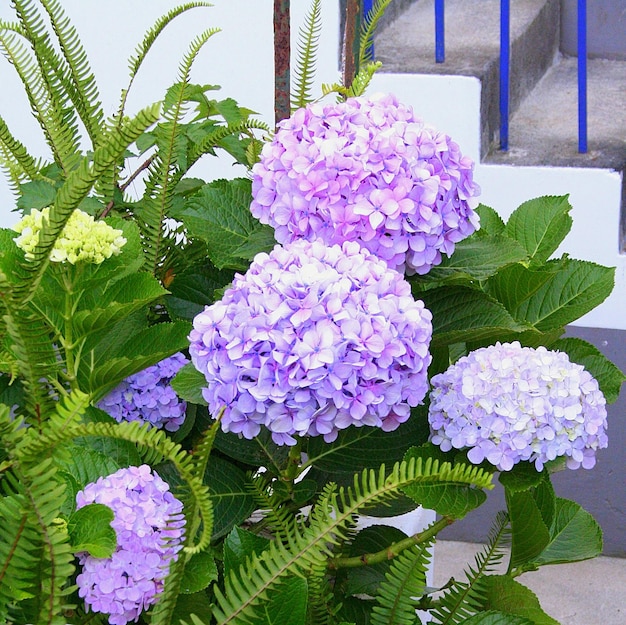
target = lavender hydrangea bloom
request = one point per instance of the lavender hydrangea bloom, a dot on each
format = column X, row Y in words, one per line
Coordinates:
column 509, row 403
column 148, row 397
column 149, row 525
column 313, row 339
column 367, row 170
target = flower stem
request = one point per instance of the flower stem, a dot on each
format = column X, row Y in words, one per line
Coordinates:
column 394, row 549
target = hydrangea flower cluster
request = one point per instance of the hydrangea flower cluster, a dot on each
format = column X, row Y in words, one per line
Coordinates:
column 313, row 339
column 509, row 403
column 367, row 170
column 83, row 238
column 149, row 525
column 147, row 396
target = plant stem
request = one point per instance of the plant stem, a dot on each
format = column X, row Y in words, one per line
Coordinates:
column 394, row 549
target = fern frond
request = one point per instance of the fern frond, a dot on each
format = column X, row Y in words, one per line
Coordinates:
column 368, row 28
column 359, row 84
column 277, row 517
column 78, row 80
column 49, row 98
column 307, row 46
column 149, row 38
column 306, row 551
column 404, row 584
column 164, row 174
column 463, row 599
column 15, row 158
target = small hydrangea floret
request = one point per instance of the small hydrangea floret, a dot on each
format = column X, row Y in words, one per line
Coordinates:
column 311, row 340
column 367, row 170
column 507, row 403
column 148, row 396
column 83, row 239
column 149, row 524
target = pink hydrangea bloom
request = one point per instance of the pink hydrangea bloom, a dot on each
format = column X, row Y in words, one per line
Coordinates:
column 311, row 340
column 367, row 170
column 508, row 403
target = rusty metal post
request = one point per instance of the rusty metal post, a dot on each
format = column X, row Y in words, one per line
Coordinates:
column 350, row 51
column 282, row 52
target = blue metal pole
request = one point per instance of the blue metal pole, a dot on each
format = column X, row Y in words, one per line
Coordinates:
column 582, row 76
column 440, row 34
column 367, row 7
column 505, row 65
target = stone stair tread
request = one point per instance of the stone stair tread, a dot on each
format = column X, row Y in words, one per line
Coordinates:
column 407, row 45
column 544, row 129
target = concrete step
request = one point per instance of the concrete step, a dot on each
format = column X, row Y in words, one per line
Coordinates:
column 472, row 29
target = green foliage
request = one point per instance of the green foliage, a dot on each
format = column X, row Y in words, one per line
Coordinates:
column 308, row 43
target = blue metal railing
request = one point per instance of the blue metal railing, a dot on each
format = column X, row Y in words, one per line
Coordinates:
column 505, row 65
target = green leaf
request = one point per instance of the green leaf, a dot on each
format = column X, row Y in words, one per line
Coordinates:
column 90, row 530
column 365, row 580
column 490, row 221
column 368, row 447
column 200, row 571
column 259, row 240
column 521, row 477
column 232, row 502
column 220, row 215
column 454, row 500
column 186, row 605
column 462, row 314
column 551, row 299
column 496, row 618
column 575, row 535
column 610, row 378
column 479, row 258
column 540, row 225
column 239, row 545
column 287, row 604
column 260, row 451
column 529, row 533
column 36, row 194
column 86, row 464
column 510, row 597
column 188, row 384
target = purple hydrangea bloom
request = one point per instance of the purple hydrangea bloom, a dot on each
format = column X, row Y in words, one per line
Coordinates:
column 367, row 170
column 149, row 524
column 313, row 339
column 148, row 397
column 509, row 403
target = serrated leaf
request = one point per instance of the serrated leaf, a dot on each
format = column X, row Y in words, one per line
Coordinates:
column 188, row 384
column 496, row 618
column 561, row 297
column 540, row 225
column 490, row 221
column 521, row 477
column 260, row 451
column 478, row 258
column 463, row 314
column 200, row 571
column 575, row 535
column 610, row 378
column 259, row 240
column 90, row 530
column 86, row 465
column 529, row 534
column 187, row 607
column 232, row 502
column 220, row 215
column 36, row 194
column 239, row 545
column 287, row 604
column 507, row 595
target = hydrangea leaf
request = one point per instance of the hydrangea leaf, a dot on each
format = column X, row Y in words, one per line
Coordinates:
column 240, row 545
column 260, row 240
column 36, row 194
column 512, row 598
column 286, row 604
column 359, row 448
column 497, row 618
column 365, row 580
column 575, row 535
column 462, row 314
column 540, row 225
column 553, row 297
column 188, row 383
column 521, row 477
column 200, row 571
column 260, row 451
column 197, row 604
column 478, row 258
column 220, row 215
column 90, row 530
column 490, row 222
column 232, row 502
column 609, row 377
column 529, row 533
